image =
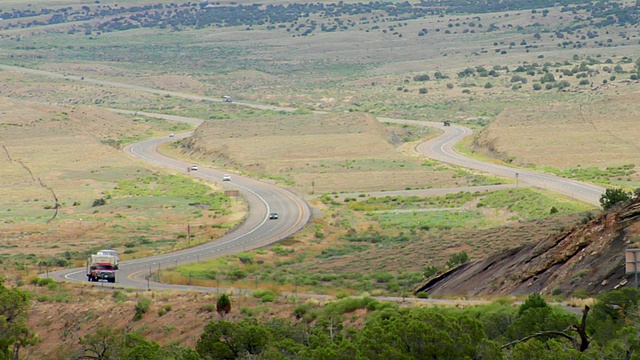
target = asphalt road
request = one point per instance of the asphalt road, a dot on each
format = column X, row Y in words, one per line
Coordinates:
column 262, row 197
column 255, row 232
column 441, row 149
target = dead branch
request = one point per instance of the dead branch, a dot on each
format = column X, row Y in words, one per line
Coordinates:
column 28, row 170
column 6, row 151
column 55, row 198
column 580, row 329
column 545, row 333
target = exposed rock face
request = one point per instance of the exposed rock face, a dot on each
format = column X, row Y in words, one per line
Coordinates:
column 589, row 257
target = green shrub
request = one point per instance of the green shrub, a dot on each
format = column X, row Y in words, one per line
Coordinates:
column 142, row 307
column 265, row 295
column 119, row 296
column 301, row 311
column 99, row 202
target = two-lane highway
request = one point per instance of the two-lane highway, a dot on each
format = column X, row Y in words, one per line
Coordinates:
column 256, row 231
column 263, row 197
column 442, row 149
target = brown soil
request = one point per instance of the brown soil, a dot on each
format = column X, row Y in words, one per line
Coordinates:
column 173, row 317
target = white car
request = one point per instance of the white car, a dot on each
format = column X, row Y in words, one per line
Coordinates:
column 172, row 135
column 194, row 167
column 226, row 177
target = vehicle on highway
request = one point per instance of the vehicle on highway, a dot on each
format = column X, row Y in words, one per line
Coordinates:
column 101, row 267
column 194, row 167
column 273, row 216
column 172, row 135
column 113, row 253
column 226, row 177
column 226, row 98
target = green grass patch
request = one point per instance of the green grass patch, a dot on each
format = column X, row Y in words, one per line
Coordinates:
column 593, row 174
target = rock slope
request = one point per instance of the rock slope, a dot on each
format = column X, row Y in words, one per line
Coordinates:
column 588, row 257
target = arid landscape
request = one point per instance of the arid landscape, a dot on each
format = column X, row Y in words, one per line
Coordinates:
column 545, row 87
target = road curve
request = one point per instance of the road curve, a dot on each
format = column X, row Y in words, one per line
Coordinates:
column 441, row 149
column 263, row 198
column 255, row 232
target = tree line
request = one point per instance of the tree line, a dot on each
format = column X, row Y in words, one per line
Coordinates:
column 609, row 329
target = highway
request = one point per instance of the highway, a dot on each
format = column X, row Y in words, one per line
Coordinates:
column 442, row 149
column 255, row 232
column 263, row 197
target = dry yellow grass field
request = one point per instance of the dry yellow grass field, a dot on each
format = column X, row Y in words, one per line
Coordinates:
column 600, row 132
column 318, row 153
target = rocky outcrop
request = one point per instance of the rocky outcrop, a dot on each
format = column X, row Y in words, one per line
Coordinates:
column 588, row 257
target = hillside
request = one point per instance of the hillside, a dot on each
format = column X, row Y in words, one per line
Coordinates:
column 589, row 257
column 600, row 132
column 317, row 153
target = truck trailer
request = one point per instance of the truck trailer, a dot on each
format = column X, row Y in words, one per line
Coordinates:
column 101, row 267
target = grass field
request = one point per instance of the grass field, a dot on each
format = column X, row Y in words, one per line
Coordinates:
column 489, row 71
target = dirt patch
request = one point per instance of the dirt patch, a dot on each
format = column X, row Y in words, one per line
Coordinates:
column 172, row 318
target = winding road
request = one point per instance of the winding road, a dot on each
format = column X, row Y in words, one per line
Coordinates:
column 262, row 197
column 256, row 231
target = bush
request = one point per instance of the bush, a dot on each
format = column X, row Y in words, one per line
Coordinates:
column 265, row 295
column 223, row 306
column 99, row 202
column 301, row 311
column 429, row 271
column 612, row 197
column 457, row 259
column 142, row 307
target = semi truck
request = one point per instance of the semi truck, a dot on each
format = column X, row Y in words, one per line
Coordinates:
column 101, row 267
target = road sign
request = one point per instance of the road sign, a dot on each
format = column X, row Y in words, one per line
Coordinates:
column 232, row 193
column 632, row 262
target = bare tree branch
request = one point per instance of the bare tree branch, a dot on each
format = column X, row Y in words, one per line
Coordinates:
column 55, row 198
column 580, row 329
column 6, row 151
column 28, row 170
column 545, row 333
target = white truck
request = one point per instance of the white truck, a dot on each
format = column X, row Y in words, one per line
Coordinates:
column 110, row 252
column 101, row 267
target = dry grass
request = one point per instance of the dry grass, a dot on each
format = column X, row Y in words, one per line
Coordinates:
column 602, row 133
column 318, row 153
column 47, row 150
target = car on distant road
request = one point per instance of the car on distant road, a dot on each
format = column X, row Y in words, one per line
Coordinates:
column 172, row 135
column 194, row 167
column 273, row 216
column 226, row 177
